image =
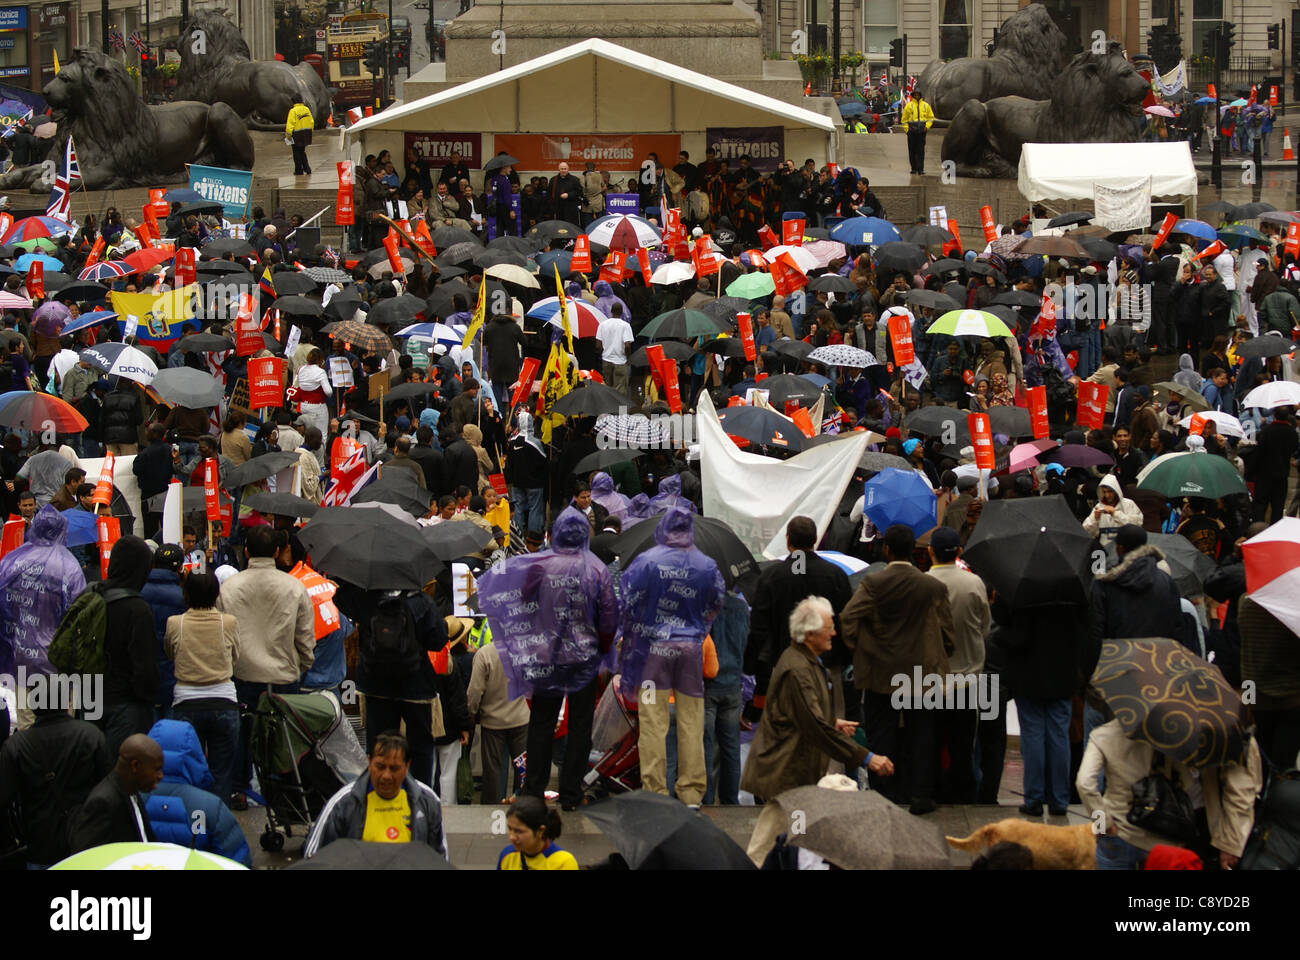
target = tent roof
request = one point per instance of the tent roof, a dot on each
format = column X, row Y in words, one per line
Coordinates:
column 1067, row 171
column 578, row 87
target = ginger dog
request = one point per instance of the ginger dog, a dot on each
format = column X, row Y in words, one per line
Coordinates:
column 1054, row 848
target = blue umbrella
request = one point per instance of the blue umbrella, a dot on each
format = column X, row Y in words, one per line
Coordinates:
column 1196, row 228
column 855, row 109
column 184, row 195
column 81, row 527
column 24, row 263
column 1205, row 100
column 864, row 231
column 85, row 320
column 900, row 496
column 817, row 378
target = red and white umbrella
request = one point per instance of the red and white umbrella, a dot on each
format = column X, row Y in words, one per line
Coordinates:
column 1273, row 571
column 583, row 317
column 1158, row 111
column 624, row 232
column 803, row 258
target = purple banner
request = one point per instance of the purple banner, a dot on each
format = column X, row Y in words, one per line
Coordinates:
column 764, row 145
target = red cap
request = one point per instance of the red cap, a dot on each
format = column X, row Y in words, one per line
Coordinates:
column 893, row 433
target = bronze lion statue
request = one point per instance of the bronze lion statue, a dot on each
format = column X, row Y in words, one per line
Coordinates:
column 216, row 68
column 1029, row 55
column 120, row 141
column 1097, row 99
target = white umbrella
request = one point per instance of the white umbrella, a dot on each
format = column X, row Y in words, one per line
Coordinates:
column 1272, row 561
column 802, row 258
column 513, row 274
column 1225, row 423
column 825, row 251
column 1280, row 393
column 675, row 271
column 120, row 360
column 623, row 231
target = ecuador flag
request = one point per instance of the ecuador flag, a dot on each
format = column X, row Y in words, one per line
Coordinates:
column 160, row 319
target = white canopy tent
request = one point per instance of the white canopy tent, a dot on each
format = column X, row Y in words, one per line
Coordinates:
column 1069, row 171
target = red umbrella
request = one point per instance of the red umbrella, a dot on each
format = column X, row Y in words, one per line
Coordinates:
column 143, row 260
column 30, row 228
column 31, row 411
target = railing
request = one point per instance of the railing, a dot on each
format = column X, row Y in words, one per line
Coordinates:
column 1241, row 69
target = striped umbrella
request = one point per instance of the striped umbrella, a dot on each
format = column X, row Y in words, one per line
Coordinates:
column 29, row 228
column 31, row 411
column 583, row 317
column 105, row 270
column 1273, row 570
column 624, row 232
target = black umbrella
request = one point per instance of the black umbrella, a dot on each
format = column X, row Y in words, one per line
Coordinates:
column 604, row 458
column 762, row 427
column 673, row 350
column 714, row 538
column 189, row 388
column 654, row 832
column 410, row 390
column 499, row 161
column 733, row 348
column 934, row 421
column 897, row 255
column 786, row 386
column 1032, row 551
column 796, row 349
column 298, row 306
column 944, row 265
column 1013, row 421
column 449, row 236
column 440, row 302
column 925, row 235
column 370, row 548
column 494, row 258
column 591, row 400
column 452, row 539
column 222, row 268
column 724, row 309
column 192, row 499
column 985, row 269
column 1098, row 248
column 82, row 291
column 463, row 252
column 280, row 504
column 550, row 230
column 224, row 245
column 346, row 853
column 396, row 310
column 521, row 245
column 259, row 468
column 1249, row 211
column 1018, row 298
column 1269, row 345
column 831, row 283
column 932, row 299
column 399, row 488
column 199, row 208
column 1069, row 219
column 290, row 282
column 205, row 343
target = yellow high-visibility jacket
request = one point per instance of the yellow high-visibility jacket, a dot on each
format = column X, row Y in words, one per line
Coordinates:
column 299, row 118
column 917, row 111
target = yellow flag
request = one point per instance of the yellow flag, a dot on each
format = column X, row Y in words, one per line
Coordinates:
column 555, row 384
column 480, row 314
column 56, row 62
column 564, row 310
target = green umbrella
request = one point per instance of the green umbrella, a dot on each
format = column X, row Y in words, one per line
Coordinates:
column 969, row 323
column 1195, row 475
column 34, row 244
column 684, row 324
column 751, row 286
column 145, row 856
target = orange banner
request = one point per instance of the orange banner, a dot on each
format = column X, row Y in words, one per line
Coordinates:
column 987, row 223
column 580, row 262
column 900, row 336
column 981, row 438
column 747, row 336
column 541, row 151
column 104, row 488
column 1038, row 411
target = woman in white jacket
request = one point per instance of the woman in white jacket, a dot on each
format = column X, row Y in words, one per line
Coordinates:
column 1112, row 511
column 313, row 385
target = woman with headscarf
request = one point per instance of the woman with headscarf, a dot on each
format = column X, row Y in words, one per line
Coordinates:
column 474, row 437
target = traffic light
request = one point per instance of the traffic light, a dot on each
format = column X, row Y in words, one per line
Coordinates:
column 147, row 65
column 1165, row 46
column 896, row 52
column 1226, row 42
column 399, row 55
column 1274, row 36
column 374, row 58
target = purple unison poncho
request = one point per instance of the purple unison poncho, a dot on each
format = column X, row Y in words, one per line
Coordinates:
column 38, row 582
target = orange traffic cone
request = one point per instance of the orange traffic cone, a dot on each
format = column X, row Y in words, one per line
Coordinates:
column 1287, row 152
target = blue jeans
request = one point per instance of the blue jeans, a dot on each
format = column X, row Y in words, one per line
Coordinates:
column 722, row 735
column 529, row 503
column 218, row 731
column 1045, row 747
column 1114, row 853
column 122, row 720
column 1089, row 352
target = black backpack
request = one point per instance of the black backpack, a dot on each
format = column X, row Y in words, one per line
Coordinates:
column 390, row 647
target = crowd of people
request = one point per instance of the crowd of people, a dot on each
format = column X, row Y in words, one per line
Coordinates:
column 195, row 631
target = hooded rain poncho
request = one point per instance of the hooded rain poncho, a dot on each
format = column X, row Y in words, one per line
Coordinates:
column 603, row 493
column 552, row 613
column 38, row 582
column 669, row 496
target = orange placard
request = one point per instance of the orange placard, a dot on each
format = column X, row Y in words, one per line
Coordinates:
column 211, row 498
column 265, row 386
column 1092, row 405
column 498, row 481
column 322, row 593
column 344, row 212
column 580, row 262
column 611, row 271
column 526, row 377
column 1167, row 225
column 104, row 487
column 1292, row 245
column 541, row 151
column 36, row 280
column 705, row 262
column 340, row 450
column 394, row 258
column 786, row 276
column 1209, row 253
column 108, row 531
column 248, row 333
column 423, row 238
column 792, row 232
column 160, row 206
column 746, row 329
column 953, row 245
column 96, row 249
column 185, row 266
column 15, row 533
column 988, row 224
column 643, row 259
column 672, row 391
column 1037, row 397
column 803, row 421
column 981, row 438
column 654, row 354
column 767, row 237
column 1272, row 96
column 900, row 337
column 1197, row 426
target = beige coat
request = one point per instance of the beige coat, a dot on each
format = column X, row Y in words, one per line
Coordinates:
column 204, row 645
column 488, row 698
column 277, row 627
column 309, row 475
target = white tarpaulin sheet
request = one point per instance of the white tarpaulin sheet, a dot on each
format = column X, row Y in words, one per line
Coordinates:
column 123, row 478
column 1123, row 206
column 756, row 496
column 1067, row 171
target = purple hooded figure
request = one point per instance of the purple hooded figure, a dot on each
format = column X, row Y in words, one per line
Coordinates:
column 638, row 508
column 38, row 582
column 606, row 298
column 670, row 495
column 552, row 613
column 671, row 593
column 603, row 493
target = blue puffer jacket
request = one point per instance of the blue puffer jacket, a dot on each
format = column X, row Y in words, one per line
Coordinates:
column 162, row 591
column 180, row 809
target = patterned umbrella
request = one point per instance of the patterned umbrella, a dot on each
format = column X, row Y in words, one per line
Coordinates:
column 324, row 275
column 1165, row 695
column 30, row 410
column 119, row 360
column 623, row 232
column 583, row 317
column 29, row 228
column 634, row 430
column 105, row 270
column 842, row 355
column 363, row 335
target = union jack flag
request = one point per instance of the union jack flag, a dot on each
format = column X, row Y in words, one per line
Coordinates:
column 331, row 256
column 115, row 39
column 348, row 480
column 137, row 41
column 60, row 204
column 884, row 81
column 911, row 85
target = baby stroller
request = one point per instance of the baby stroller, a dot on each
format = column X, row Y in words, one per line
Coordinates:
column 303, row 751
column 615, row 766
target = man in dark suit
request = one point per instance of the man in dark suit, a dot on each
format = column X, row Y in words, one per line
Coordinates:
column 780, row 589
column 898, row 620
column 114, row 812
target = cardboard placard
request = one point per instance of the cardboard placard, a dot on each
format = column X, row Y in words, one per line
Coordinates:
column 265, row 382
column 498, row 481
column 746, row 328
column 341, row 372
column 611, row 271
column 654, row 354
column 643, row 260
column 672, row 391
column 580, row 262
column 786, row 276
column 900, row 337
column 988, row 225
column 705, row 262
column 767, row 237
column 156, row 199
column 1037, row 397
column 981, row 437
column 378, row 385
column 185, row 266
column 239, row 396
column 394, row 256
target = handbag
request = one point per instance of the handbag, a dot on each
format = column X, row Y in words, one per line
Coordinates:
column 1161, row 806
